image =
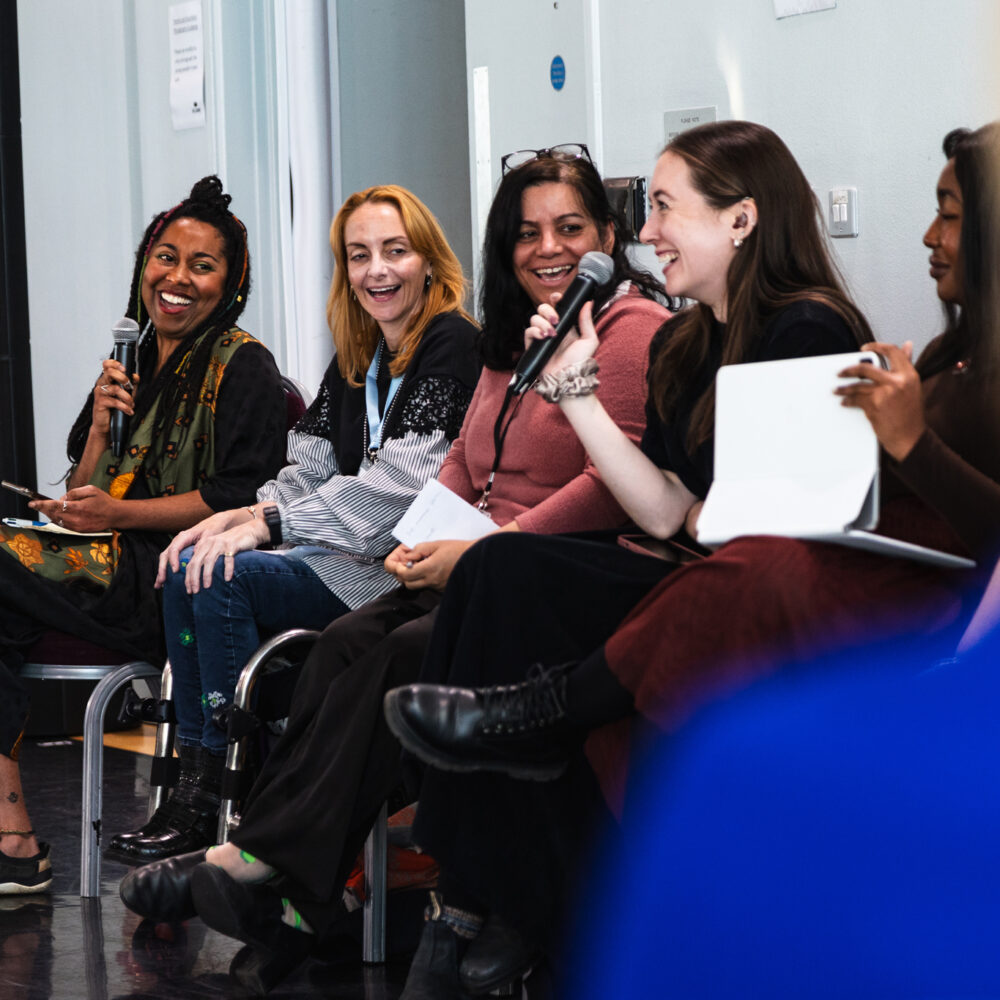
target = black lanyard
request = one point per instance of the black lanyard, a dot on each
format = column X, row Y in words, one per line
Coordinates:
column 499, row 436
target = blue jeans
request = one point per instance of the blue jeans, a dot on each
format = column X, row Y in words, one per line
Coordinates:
column 211, row 635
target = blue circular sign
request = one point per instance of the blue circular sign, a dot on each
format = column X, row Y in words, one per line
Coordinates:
column 557, row 73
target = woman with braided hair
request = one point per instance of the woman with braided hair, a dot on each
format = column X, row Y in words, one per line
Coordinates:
column 206, row 426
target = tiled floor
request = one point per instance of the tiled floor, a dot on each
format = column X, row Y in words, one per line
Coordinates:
column 61, row 947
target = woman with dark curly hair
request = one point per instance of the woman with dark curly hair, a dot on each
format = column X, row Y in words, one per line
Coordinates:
column 206, row 426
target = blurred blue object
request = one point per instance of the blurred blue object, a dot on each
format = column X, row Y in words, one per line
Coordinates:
column 832, row 832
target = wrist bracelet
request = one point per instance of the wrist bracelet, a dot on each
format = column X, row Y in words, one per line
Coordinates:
column 573, row 380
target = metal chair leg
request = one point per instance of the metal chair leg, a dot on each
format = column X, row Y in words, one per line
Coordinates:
column 93, row 770
column 376, row 877
column 237, row 750
column 164, row 746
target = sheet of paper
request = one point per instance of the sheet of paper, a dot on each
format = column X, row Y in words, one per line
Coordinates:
column 788, row 8
column 52, row 528
column 187, row 66
column 438, row 514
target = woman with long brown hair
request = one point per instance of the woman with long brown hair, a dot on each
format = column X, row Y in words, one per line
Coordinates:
column 737, row 229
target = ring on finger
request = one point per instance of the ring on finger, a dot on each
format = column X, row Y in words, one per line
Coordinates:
column 104, row 388
column 59, row 521
column 228, row 555
column 65, row 506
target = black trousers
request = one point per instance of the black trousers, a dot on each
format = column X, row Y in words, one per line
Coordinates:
column 521, row 847
column 14, row 704
column 324, row 782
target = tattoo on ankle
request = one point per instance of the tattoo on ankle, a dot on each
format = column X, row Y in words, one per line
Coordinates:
column 12, row 797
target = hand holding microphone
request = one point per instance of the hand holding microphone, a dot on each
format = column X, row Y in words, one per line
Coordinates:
column 594, row 270
column 126, row 334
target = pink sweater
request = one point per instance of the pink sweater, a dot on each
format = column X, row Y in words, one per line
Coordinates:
column 546, row 480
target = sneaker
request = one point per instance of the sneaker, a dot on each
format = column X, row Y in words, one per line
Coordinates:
column 24, row 875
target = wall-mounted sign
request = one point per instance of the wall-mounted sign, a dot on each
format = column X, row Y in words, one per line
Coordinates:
column 187, row 66
column 675, row 122
column 557, row 73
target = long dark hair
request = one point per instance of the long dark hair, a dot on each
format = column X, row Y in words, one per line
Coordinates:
column 784, row 259
column 971, row 330
column 206, row 203
column 504, row 305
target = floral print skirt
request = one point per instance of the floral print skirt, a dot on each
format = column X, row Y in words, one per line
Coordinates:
column 63, row 555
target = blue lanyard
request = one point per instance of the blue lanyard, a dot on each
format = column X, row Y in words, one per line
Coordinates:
column 371, row 400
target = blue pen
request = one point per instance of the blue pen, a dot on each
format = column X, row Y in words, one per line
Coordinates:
column 17, row 522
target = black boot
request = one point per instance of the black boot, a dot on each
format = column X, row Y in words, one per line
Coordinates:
column 499, row 955
column 434, row 970
column 516, row 729
column 186, row 822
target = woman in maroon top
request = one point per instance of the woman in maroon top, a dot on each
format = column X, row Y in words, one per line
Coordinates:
column 755, row 604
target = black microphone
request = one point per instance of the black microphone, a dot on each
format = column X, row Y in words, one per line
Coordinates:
column 593, row 271
column 126, row 333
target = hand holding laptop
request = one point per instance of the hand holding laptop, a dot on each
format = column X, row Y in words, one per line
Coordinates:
column 890, row 398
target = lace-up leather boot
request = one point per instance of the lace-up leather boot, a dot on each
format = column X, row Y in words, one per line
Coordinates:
column 515, row 729
column 186, row 822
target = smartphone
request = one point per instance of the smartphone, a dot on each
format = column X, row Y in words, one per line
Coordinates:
column 666, row 549
column 23, row 491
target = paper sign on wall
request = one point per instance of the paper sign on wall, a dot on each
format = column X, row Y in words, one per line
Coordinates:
column 788, row 8
column 187, row 65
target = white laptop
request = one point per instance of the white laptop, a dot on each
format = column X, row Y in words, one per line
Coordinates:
column 791, row 461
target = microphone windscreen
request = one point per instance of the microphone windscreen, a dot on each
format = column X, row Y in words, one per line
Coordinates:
column 597, row 266
column 125, row 331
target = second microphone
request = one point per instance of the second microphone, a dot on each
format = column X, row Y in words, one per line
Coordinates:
column 594, row 270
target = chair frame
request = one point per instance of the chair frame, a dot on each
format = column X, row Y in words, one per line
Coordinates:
column 376, row 846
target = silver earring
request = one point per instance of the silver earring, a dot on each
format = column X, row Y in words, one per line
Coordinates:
column 737, row 241
column 427, row 282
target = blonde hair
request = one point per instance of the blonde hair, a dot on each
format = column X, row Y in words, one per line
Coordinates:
column 355, row 333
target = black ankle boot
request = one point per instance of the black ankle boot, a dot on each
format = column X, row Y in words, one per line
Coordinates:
column 186, row 822
column 516, row 729
column 499, row 955
column 434, row 970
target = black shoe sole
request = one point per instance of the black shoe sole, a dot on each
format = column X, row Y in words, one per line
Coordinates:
column 523, row 770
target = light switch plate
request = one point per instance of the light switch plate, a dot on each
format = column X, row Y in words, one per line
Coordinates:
column 843, row 214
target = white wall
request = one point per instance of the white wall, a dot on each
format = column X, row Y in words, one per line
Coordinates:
column 402, row 113
column 79, row 208
column 515, row 42
column 862, row 94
